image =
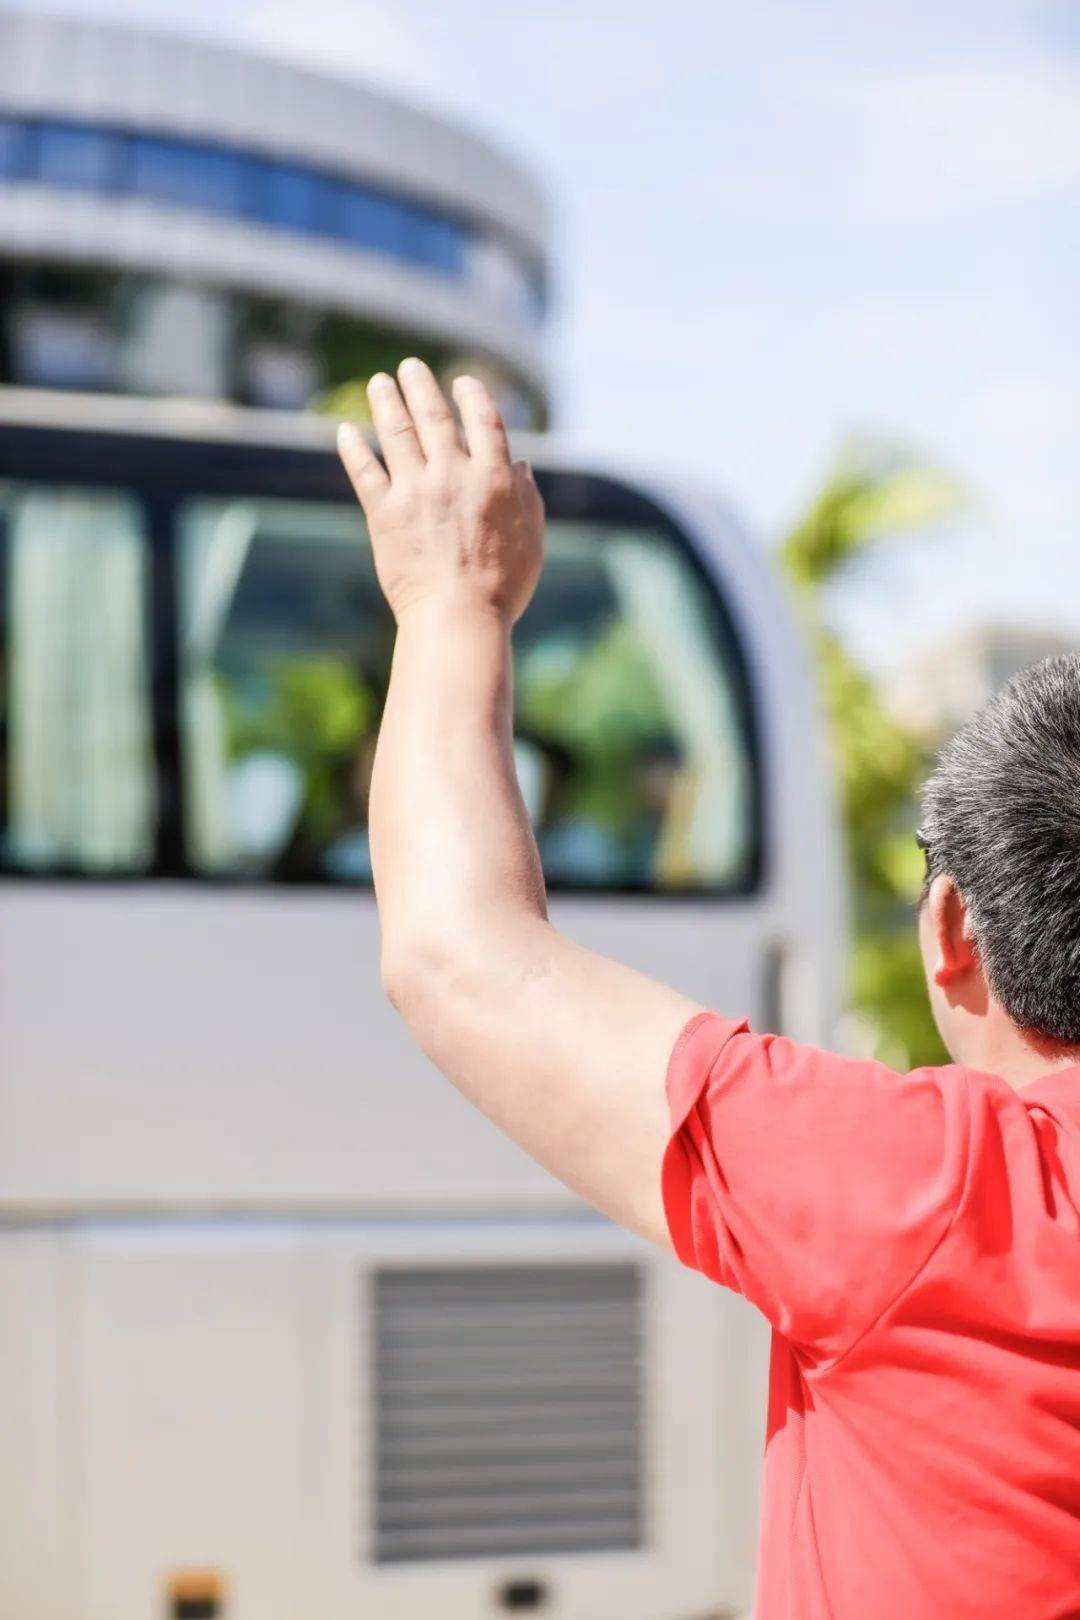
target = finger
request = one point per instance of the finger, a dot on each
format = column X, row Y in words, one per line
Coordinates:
column 397, row 432
column 481, row 419
column 525, row 485
column 366, row 472
column 428, row 407
column 528, row 494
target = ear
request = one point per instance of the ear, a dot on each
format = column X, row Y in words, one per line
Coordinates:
column 950, row 924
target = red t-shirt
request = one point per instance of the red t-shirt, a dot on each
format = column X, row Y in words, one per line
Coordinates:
column 914, row 1239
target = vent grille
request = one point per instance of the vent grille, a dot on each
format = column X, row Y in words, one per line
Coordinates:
column 508, row 1410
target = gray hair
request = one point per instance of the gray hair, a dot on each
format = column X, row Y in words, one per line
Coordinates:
column 1001, row 816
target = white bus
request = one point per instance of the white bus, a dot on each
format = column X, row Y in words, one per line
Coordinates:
column 289, row 1332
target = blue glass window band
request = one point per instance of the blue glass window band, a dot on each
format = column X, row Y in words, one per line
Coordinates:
column 232, row 182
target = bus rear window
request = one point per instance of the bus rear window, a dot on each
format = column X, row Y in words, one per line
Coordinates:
column 631, row 737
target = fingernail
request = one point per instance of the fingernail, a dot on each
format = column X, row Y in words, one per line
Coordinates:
column 413, row 363
column 380, row 380
column 348, row 435
column 464, row 378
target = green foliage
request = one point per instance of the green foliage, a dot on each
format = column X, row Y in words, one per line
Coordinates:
column 350, row 351
column 315, row 712
column 879, row 765
column 888, row 995
column 874, row 493
column 347, row 400
column 600, row 702
column 598, row 695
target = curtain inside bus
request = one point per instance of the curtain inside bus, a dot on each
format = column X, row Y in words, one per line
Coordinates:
column 78, row 781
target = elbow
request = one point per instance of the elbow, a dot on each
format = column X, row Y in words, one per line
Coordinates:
column 392, row 977
column 439, row 977
column 414, row 972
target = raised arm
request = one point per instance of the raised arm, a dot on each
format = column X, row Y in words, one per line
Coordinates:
column 564, row 1050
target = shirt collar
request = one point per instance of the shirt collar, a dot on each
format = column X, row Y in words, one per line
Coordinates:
column 1058, row 1092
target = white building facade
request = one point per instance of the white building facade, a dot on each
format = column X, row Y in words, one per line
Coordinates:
column 179, row 218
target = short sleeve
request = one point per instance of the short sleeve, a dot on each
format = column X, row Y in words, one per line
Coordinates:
column 814, row 1185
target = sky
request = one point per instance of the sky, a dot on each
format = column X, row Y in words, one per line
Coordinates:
column 777, row 223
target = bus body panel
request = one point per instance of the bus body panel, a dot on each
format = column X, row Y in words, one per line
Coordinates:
column 166, row 1046
column 196, row 1396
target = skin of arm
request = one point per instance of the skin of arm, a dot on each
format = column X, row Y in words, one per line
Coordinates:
column 564, row 1050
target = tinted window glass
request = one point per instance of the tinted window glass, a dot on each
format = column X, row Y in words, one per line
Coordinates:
column 15, row 150
column 438, row 243
column 631, row 748
column 68, row 156
column 213, row 179
column 284, row 195
column 180, row 172
column 369, row 220
column 77, row 763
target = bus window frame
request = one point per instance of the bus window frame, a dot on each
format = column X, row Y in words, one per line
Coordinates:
column 156, row 472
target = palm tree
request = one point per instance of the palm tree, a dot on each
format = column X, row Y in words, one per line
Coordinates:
column 873, row 493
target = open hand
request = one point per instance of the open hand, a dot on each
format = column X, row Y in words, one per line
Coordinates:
column 450, row 521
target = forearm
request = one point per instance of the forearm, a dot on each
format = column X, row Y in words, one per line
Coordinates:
column 528, row 1025
column 454, row 858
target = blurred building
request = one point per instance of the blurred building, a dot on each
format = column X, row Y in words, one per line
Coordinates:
column 947, row 683
column 178, row 218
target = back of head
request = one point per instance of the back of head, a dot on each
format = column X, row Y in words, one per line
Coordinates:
column 1001, row 817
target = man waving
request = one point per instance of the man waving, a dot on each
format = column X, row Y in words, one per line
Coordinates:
column 913, row 1239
